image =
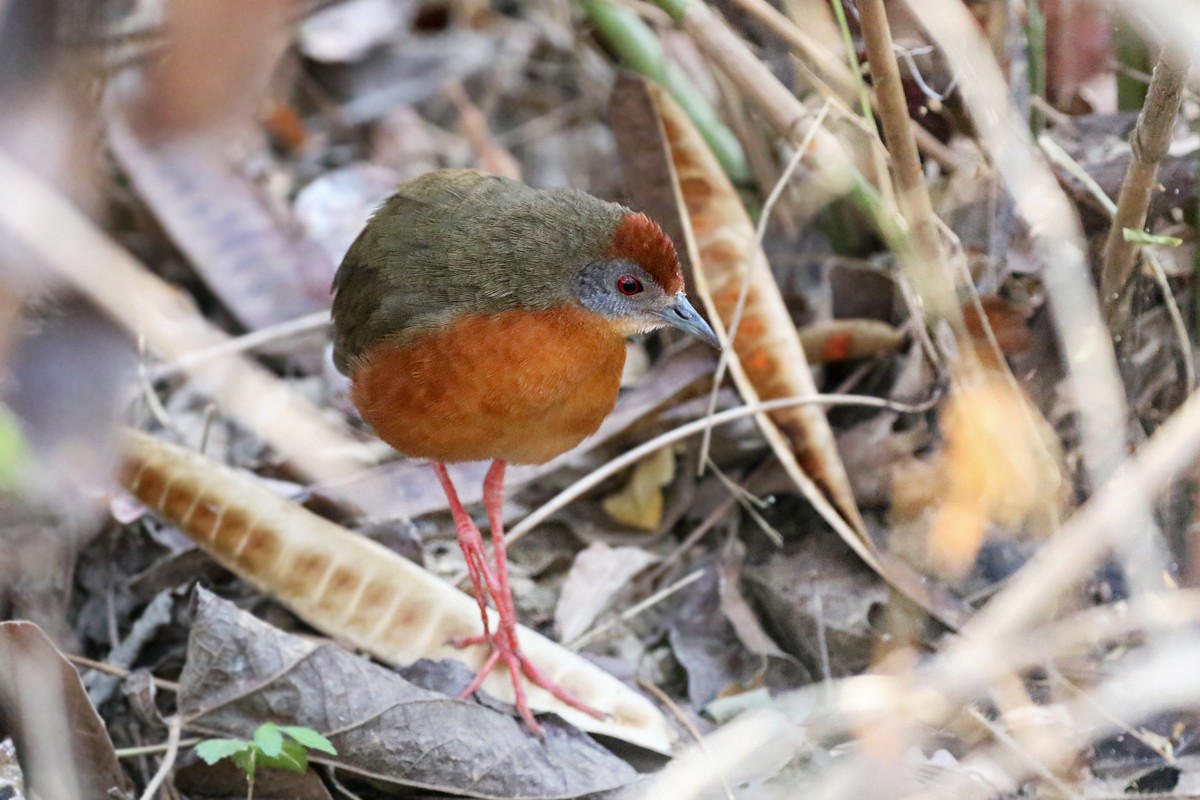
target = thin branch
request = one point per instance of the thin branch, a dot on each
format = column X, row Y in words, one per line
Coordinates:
column 174, row 728
column 1061, row 157
column 118, row 672
column 65, row 241
column 1150, row 140
column 832, row 78
column 927, row 262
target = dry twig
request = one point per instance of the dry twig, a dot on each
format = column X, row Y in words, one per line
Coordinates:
column 1150, row 140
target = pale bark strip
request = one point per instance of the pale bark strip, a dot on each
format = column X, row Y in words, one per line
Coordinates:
column 1150, row 140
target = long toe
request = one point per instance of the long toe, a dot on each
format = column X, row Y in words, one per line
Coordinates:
column 539, row 678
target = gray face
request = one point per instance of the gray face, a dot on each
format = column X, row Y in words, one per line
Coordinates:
column 622, row 290
column 625, row 293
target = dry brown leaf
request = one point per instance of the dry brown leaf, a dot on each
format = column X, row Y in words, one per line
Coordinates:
column 639, row 504
column 772, row 361
column 353, row 588
column 384, row 727
column 62, row 741
column 263, row 269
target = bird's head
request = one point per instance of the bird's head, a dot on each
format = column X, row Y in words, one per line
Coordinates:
column 638, row 283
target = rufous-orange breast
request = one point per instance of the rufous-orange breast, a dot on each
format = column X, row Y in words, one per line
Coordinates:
column 520, row 385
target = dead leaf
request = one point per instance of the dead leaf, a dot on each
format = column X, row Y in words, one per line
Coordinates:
column 241, row 672
column 639, row 504
column 264, row 271
column 812, row 592
column 61, row 739
column 334, row 208
column 989, row 475
column 598, row 575
column 706, row 644
column 986, row 477
column 226, row 781
column 12, row 783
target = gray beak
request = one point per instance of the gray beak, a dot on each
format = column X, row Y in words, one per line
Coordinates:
column 687, row 319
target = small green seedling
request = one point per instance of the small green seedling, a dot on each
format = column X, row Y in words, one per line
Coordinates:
column 14, row 455
column 269, row 749
column 1141, row 237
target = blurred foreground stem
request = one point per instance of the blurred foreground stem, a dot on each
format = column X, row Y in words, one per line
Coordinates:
column 638, row 47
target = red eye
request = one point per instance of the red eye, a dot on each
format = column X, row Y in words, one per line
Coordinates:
column 627, row 284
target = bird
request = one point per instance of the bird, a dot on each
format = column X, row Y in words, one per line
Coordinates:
column 480, row 319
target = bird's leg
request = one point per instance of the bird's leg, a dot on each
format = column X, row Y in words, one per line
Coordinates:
column 505, row 642
column 470, row 541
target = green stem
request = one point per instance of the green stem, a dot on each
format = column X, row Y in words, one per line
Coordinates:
column 839, row 9
column 1035, row 39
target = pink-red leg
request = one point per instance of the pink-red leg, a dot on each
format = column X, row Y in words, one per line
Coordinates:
column 505, row 639
column 470, row 541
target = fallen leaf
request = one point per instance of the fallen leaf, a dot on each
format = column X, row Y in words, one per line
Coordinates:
column 639, row 504
column 989, row 475
column 813, row 591
column 12, row 783
column 334, row 208
column 62, row 741
column 598, row 575
column 262, row 269
column 706, row 644
column 241, row 672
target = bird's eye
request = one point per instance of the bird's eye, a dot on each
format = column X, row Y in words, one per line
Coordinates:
column 629, row 285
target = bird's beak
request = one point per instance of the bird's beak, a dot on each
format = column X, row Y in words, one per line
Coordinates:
column 687, row 319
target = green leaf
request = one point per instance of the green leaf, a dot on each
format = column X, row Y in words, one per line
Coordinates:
column 309, row 738
column 247, row 760
column 1141, row 237
column 292, row 758
column 268, row 739
column 213, row 750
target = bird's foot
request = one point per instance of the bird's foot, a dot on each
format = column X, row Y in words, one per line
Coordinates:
column 506, row 649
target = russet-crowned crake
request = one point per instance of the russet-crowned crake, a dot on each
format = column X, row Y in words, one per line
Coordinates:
column 478, row 318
